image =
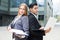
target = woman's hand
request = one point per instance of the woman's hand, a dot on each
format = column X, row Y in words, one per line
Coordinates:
column 9, row 28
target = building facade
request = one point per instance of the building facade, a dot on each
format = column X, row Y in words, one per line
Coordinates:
column 45, row 10
column 4, row 10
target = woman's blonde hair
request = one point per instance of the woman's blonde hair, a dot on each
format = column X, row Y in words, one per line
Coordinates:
column 26, row 10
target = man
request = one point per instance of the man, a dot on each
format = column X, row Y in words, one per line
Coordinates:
column 36, row 31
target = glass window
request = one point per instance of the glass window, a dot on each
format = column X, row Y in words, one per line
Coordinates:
column 16, row 3
column 0, row 20
column 40, row 17
column 41, row 12
column 0, row 17
column 0, row 2
column 40, row 2
column 32, row 1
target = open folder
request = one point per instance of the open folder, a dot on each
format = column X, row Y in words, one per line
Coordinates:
column 20, row 32
column 50, row 23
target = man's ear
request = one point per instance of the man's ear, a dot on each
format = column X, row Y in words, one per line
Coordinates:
column 30, row 9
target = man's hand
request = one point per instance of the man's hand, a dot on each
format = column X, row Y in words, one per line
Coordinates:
column 48, row 30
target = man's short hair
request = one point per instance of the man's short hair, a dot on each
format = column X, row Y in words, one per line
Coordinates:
column 32, row 5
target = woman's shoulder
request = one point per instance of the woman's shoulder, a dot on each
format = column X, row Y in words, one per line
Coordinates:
column 24, row 17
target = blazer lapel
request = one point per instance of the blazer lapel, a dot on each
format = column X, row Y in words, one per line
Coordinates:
column 34, row 17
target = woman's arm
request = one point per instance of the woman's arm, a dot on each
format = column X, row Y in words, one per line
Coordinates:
column 25, row 24
column 10, row 26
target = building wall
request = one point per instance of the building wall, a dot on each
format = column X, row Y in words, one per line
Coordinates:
column 45, row 10
column 49, row 10
column 7, row 19
column 4, row 10
column 4, row 7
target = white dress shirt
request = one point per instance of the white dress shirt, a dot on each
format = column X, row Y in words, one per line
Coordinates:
column 36, row 16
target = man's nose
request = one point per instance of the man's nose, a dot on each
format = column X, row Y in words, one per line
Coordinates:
column 37, row 10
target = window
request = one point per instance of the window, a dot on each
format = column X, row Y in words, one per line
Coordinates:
column 40, row 2
column 16, row 3
column 0, row 17
column 0, row 20
column 0, row 2
column 32, row 1
column 41, row 5
column 41, row 17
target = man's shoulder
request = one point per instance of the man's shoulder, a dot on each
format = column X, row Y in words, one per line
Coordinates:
column 30, row 15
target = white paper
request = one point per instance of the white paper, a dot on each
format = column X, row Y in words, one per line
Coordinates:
column 18, row 32
column 51, row 22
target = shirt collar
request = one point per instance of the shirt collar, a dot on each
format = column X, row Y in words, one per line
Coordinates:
column 36, row 16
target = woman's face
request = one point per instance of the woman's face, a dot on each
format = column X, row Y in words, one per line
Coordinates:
column 22, row 10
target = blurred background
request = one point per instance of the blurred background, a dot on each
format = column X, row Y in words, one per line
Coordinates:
column 9, row 9
column 47, row 8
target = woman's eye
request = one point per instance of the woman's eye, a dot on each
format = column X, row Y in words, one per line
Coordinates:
column 22, row 8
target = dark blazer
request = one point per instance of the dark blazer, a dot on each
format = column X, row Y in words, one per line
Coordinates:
column 34, row 28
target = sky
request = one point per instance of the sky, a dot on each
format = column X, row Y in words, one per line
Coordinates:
column 56, row 7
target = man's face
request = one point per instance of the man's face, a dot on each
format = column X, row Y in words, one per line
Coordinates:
column 34, row 9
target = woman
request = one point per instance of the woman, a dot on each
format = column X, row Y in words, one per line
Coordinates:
column 20, row 22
